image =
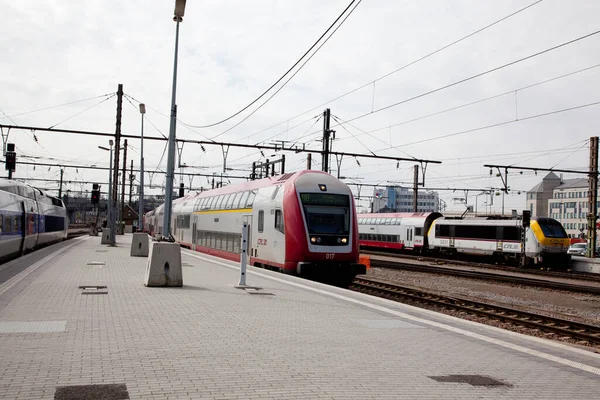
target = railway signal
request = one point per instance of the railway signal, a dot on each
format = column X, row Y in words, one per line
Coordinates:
column 95, row 193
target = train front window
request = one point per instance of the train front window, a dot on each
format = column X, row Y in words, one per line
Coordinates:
column 326, row 214
column 552, row 228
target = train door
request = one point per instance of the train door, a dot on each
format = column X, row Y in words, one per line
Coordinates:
column 22, row 221
column 452, row 230
column 499, row 237
column 194, row 232
column 410, row 237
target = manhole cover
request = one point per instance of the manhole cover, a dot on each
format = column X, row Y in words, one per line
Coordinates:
column 93, row 289
column 92, row 392
column 473, row 380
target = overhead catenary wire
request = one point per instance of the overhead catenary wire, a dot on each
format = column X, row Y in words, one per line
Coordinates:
column 81, row 112
column 293, row 75
column 408, row 64
column 286, row 73
column 509, row 92
column 489, row 71
column 62, row 105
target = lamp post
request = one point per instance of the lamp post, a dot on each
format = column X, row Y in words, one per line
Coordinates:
column 110, row 206
column 141, row 201
column 166, row 232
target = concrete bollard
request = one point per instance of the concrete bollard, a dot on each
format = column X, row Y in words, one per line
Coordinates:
column 105, row 236
column 164, row 265
column 140, row 245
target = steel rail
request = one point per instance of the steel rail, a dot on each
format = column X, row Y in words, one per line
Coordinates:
column 575, row 330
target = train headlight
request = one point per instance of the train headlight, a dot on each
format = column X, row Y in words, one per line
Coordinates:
column 344, row 240
column 313, row 239
column 318, row 240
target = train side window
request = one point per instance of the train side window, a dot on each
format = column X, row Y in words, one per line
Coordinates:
column 236, row 200
column 228, row 201
column 243, row 199
column 378, row 221
column 209, row 203
column 251, row 197
column 221, row 202
column 388, row 221
column 279, row 221
column 261, row 220
column 1, row 226
column 419, row 231
column 16, row 223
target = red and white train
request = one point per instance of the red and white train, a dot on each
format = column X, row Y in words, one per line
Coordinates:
column 300, row 223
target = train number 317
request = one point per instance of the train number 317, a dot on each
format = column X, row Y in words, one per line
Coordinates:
column 329, row 256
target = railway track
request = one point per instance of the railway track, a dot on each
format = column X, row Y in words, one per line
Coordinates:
column 488, row 276
column 581, row 332
column 494, row 267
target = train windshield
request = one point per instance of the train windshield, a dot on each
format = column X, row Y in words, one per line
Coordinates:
column 552, row 228
column 326, row 213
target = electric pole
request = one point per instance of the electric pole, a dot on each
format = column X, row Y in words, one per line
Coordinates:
column 131, row 177
column 113, row 214
column 326, row 133
column 123, row 181
column 416, row 189
column 308, row 160
column 592, row 197
column 62, row 171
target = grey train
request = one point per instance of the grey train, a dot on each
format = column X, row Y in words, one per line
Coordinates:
column 29, row 219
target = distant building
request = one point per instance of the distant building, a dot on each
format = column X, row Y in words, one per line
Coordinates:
column 400, row 199
column 564, row 200
column 537, row 198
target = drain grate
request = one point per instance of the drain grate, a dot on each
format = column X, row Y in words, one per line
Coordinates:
column 473, row 380
column 93, row 289
column 92, row 392
column 96, row 263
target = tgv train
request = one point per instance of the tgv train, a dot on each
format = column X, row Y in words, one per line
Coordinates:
column 300, row 223
column 546, row 241
column 29, row 218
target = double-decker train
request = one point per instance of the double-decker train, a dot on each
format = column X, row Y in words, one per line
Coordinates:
column 300, row 223
column 546, row 241
column 29, row 219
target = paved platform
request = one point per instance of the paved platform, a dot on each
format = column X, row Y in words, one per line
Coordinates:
column 291, row 339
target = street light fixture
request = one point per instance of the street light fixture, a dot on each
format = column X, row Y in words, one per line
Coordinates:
column 111, row 213
column 166, row 233
column 141, row 193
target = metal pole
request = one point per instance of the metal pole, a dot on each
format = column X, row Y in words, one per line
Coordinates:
column 110, row 202
column 171, row 148
column 115, row 171
column 123, row 186
column 244, row 255
column 416, row 189
column 593, row 197
column 141, row 201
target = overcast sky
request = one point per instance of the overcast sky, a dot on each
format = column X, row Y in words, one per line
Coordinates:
column 56, row 52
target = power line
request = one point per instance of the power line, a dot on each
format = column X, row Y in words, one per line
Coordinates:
column 473, row 77
column 285, row 74
column 510, row 92
column 81, row 112
column 293, row 75
column 60, row 105
column 498, row 124
column 409, row 64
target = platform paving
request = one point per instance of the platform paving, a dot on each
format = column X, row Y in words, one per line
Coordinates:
column 291, row 339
